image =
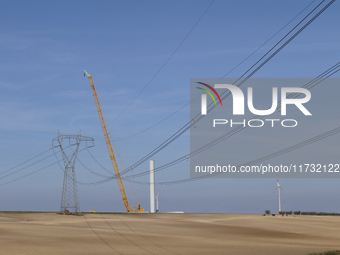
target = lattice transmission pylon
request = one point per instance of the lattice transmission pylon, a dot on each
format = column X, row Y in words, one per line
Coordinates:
column 69, row 197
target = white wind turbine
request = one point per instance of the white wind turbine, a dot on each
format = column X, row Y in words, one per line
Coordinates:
column 278, row 188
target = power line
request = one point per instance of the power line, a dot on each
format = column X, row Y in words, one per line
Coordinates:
column 81, row 183
column 187, row 126
column 43, row 168
column 168, row 59
column 326, row 74
column 283, row 45
column 198, row 117
column 144, row 130
column 227, row 135
column 98, row 162
column 262, row 63
column 88, row 169
column 25, row 161
column 228, row 93
column 238, row 129
column 272, row 155
column 255, row 161
column 157, row 123
column 190, row 124
column 2, row 177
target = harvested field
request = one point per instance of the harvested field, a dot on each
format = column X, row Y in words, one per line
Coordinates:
column 53, row 234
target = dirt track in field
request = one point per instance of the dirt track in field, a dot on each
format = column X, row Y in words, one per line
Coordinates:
column 53, row 234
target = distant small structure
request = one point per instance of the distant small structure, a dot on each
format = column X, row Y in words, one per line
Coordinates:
column 152, row 186
column 278, row 188
column 157, row 203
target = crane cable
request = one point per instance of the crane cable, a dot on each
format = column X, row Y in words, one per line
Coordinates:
column 121, row 161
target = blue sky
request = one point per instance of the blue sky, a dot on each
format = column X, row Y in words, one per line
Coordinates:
column 45, row 46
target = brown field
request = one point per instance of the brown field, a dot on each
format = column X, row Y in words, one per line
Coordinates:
column 50, row 233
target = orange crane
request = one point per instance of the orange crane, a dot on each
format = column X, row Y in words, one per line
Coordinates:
column 110, row 150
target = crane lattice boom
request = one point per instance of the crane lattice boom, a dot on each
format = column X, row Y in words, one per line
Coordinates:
column 110, row 150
